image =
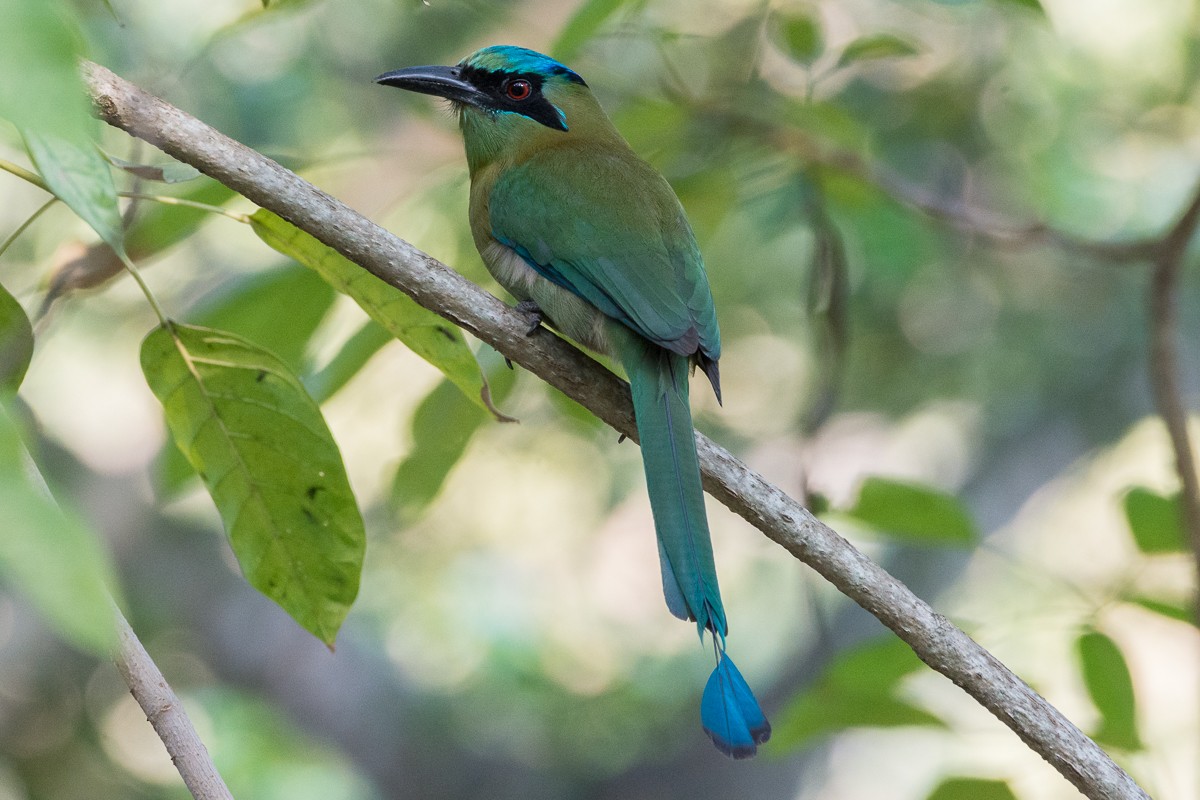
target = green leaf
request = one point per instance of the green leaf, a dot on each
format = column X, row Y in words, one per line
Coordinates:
column 857, row 689
column 43, row 96
column 1106, row 676
column 1155, row 521
column 1180, row 610
column 79, row 176
column 355, row 353
column 971, row 789
column 425, row 333
column 39, row 47
column 159, row 226
column 171, row 172
column 800, row 36
column 49, row 552
column 1033, row 5
column 16, row 342
column 583, row 24
column 442, row 427
column 261, row 446
column 913, row 513
column 278, row 311
column 882, row 45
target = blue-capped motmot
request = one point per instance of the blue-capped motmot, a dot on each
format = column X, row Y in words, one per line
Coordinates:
column 579, row 229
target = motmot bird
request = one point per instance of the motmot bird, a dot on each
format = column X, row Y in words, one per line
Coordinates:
column 590, row 238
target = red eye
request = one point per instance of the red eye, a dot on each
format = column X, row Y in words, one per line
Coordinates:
column 518, row 90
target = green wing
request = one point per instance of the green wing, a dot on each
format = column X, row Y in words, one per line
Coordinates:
column 617, row 237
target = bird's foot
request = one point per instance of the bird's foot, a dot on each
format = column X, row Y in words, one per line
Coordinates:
column 533, row 313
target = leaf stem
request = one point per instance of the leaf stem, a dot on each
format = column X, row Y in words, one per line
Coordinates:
column 24, row 174
column 21, row 228
column 168, row 200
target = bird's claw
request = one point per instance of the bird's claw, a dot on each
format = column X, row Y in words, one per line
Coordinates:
column 533, row 313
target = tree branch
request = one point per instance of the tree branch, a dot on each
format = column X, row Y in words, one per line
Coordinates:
column 165, row 713
column 937, row 641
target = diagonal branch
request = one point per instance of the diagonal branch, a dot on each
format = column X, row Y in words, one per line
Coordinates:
column 934, row 638
column 166, row 714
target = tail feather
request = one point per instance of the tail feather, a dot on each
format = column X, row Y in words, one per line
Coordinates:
column 729, row 713
column 660, row 400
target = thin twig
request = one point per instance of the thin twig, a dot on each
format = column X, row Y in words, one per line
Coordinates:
column 1164, row 369
column 166, row 714
column 934, row 638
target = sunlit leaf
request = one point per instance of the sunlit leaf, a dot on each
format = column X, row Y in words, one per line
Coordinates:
column 1155, row 521
column 49, row 552
column 882, row 45
column 1106, row 676
column 857, row 689
column 16, row 342
column 913, row 513
column 261, row 446
column 442, row 427
column 971, row 789
column 583, row 24
column 425, row 333
column 800, row 36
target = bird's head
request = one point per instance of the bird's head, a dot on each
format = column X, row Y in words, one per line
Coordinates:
column 509, row 99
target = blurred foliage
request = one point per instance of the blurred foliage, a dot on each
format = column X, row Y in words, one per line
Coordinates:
column 891, row 199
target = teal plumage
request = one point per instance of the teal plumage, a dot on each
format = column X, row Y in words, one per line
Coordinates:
column 570, row 220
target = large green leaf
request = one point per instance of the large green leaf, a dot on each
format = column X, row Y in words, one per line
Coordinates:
column 1155, row 521
column 857, row 689
column 277, row 310
column 913, row 513
column 50, row 553
column 261, row 446
column 16, row 342
column 425, row 333
column 1106, row 676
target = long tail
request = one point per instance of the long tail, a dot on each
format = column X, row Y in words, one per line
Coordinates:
column 659, row 379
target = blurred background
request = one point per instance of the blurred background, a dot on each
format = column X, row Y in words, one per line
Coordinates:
column 898, row 203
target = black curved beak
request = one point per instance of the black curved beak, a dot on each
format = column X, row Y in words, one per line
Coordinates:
column 444, row 82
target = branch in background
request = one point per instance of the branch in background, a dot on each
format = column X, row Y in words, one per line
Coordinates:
column 934, row 638
column 1164, row 369
column 166, row 714
column 967, row 219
